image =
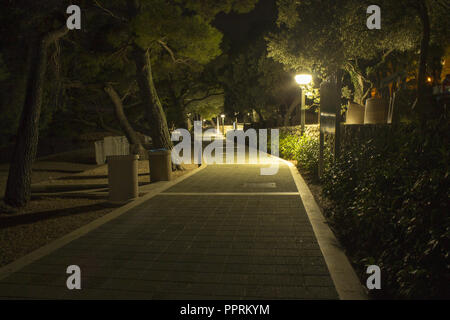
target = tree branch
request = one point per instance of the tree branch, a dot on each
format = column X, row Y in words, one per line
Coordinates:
column 383, row 58
column 366, row 94
column 208, row 95
column 358, row 72
column 96, row 125
column 86, row 122
column 136, row 104
column 172, row 55
column 106, row 127
column 128, row 92
column 131, row 135
column 55, row 35
column 81, row 85
column 109, row 12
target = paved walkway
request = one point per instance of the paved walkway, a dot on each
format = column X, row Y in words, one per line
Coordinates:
column 224, row 233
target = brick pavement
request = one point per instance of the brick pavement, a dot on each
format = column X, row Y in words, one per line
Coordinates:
column 224, row 233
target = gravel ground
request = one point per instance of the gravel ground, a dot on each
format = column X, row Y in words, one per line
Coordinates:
column 99, row 175
column 44, row 220
column 48, row 218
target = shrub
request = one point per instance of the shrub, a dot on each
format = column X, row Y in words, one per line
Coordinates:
column 303, row 148
column 389, row 197
column 390, row 208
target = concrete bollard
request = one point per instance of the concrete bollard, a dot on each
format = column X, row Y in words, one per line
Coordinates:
column 376, row 111
column 160, row 163
column 355, row 113
column 123, row 178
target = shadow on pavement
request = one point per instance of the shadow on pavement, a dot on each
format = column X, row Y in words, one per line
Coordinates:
column 15, row 220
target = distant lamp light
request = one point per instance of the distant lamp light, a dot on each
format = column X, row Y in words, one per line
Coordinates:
column 373, row 92
column 303, row 79
column 223, row 123
column 429, row 79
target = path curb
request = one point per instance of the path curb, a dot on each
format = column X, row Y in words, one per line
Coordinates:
column 342, row 273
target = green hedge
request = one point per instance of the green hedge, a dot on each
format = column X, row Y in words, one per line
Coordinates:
column 390, row 205
column 303, row 148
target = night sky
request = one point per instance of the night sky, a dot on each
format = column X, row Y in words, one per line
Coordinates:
column 241, row 28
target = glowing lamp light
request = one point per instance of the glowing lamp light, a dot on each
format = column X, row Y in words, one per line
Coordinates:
column 222, row 116
column 303, row 79
column 429, row 79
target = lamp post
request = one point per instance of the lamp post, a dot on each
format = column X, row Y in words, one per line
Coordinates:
column 223, row 124
column 303, row 80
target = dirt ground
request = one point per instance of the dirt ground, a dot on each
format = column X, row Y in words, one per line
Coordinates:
column 44, row 220
column 56, row 212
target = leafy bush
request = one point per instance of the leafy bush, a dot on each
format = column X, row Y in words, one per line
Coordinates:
column 303, row 148
column 390, row 208
column 289, row 146
column 389, row 196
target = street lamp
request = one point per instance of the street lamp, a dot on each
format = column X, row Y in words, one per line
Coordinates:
column 236, row 121
column 223, row 124
column 303, row 80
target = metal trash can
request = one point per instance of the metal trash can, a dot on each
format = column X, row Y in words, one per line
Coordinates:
column 160, row 163
column 123, row 178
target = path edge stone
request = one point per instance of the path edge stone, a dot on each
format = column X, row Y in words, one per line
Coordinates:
column 347, row 283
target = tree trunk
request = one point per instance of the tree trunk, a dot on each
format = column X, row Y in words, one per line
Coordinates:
column 261, row 118
column 358, row 84
column 18, row 188
column 131, row 135
column 294, row 104
column 181, row 120
column 421, row 78
column 154, row 110
column 361, row 92
column 359, row 81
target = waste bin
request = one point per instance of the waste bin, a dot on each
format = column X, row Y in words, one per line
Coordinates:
column 123, row 178
column 160, row 163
